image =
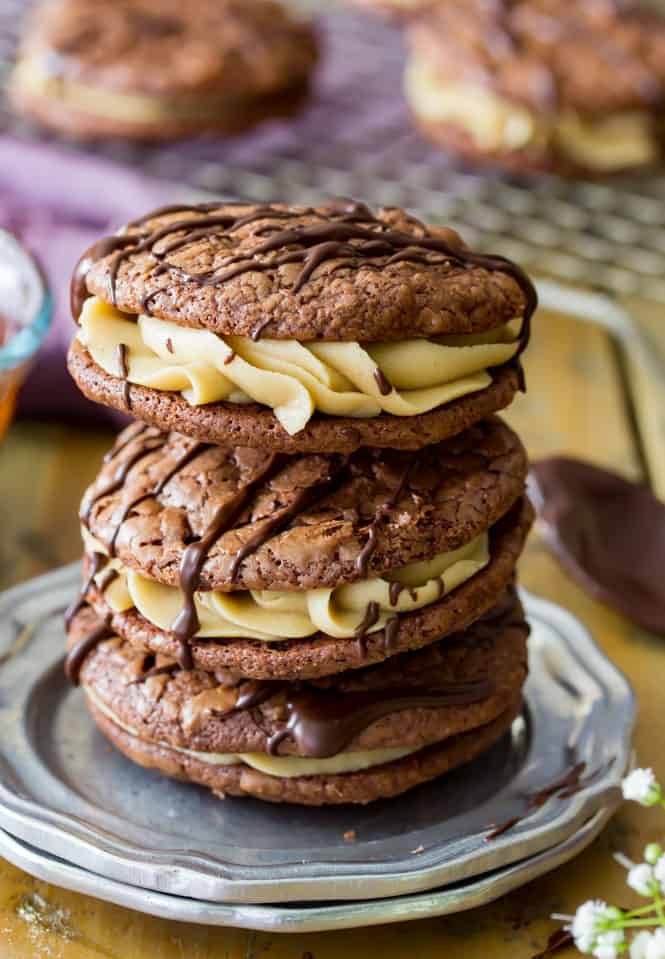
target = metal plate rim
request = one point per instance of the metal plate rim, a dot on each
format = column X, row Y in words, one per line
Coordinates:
column 299, row 919
column 84, row 844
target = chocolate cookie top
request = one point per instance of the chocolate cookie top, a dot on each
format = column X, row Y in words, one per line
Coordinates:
column 332, row 272
column 134, row 46
column 592, row 57
column 411, row 700
column 250, row 519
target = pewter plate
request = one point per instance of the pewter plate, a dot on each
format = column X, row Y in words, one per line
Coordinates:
column 63, row 790
column 303, row 917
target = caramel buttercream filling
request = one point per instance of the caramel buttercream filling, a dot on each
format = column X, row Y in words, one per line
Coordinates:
column 274, row 615
column 607, row 142
column 295, row 380
column 282, row 766
column 140, row 108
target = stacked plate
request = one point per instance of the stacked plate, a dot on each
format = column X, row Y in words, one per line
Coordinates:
column 76, row 816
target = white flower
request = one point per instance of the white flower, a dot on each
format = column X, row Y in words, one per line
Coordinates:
column 653, row 852
column 641, row 879
column 641, row 786
column 659, row 871
column 638, row 947
column 591, row 921
column 655, row 947
column 607, row 944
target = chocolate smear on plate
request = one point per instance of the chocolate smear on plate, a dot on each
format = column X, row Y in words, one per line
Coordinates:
column 607, row 532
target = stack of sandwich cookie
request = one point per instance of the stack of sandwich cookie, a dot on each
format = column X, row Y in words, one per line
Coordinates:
column 299, row 561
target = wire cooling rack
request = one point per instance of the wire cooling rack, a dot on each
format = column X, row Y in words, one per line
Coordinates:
column 355, row 138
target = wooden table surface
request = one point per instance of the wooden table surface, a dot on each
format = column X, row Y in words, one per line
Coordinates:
column 587, row 398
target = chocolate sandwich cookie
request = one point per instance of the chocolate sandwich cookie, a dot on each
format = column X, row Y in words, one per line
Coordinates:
column 352, row 738
column 299, row 329
column 536, row 84
column 133, row 69
column 242, row 549
column 343, row 639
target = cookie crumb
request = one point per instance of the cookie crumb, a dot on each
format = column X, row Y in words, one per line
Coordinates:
column 349, row 836
column 169, row 345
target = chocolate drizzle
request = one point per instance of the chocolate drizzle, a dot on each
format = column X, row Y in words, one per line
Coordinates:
column 97, row 562
column 559, row 940
column 189, row 454
column 195, row 555
column 149, row 445
column 78, row 653
column 123, row 372
column 167, row 669
column 366, row 553
column 348, row 233
column 304, row 499
column 390, row 633
column 394, row 592
column 128, row 436
column 78, row 290
column 105, row 580
column 564, row 787
column 382, row 381
column 371, row 616
column 323, row 723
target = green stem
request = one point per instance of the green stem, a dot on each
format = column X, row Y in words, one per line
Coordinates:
column 641, row 911
column 635, row 923
column 658, row 902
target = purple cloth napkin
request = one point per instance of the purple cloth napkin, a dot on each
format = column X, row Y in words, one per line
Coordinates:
column 58, row 203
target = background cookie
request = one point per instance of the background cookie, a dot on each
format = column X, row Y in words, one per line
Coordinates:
column 583, row 94
column 94, row 71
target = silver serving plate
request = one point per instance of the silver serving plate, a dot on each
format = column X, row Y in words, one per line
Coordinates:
column 302, row 917
column 65, row 792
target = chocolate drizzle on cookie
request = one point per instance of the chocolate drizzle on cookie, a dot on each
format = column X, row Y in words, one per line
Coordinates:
column 150, row 444
column 304, row 499
column 323, row 723
column 78, row 653
column 108, row 576
column 97, row 563
column 366, row 553
column 346, row 234
column 183, row 460
column 123, row 372
column 195, row 555
column 78, row 291
column 382, row 381
column 370, row 618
